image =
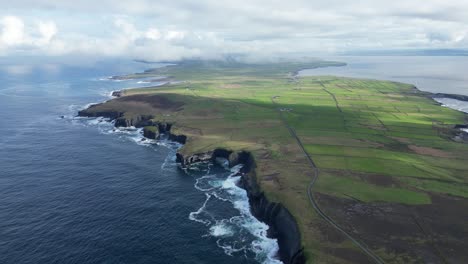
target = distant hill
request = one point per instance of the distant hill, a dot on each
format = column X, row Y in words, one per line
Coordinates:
column 409, row 52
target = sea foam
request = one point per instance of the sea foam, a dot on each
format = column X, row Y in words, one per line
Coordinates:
column 454, row 104
column 240, row 233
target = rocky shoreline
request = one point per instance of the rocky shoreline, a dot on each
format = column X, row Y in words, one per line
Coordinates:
column 451, row 96
column 282, row 224
column 461, row 135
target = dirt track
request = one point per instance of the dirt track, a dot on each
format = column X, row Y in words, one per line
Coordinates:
column 315, row 175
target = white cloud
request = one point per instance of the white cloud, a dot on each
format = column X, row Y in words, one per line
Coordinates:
column 12, row 31
column 180, row 29
column 153, row 33
column 48, row 30
column 16, row 36
column 174, row 35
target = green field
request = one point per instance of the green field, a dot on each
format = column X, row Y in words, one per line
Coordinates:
column 378, row 144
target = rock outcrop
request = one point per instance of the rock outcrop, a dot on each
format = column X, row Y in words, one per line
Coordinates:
column 182, row 139
column 137, row 121
column 282, row 224
column 116, row 93
column 150, row 132
column 451, row 96
column 151, row 129
column 107, row 114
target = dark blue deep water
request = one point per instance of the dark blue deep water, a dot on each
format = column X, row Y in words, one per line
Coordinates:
column 76, row 191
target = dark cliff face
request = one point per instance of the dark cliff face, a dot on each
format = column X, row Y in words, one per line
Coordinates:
column 150, row 133
column 178, row 138
column 119, row 118
column 164, row 128
column 138, row 121
column 107, row 114
column 451, row 96
column 282, row 224
column 117, row 93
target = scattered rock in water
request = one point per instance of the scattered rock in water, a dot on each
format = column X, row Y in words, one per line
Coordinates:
column 116, row 93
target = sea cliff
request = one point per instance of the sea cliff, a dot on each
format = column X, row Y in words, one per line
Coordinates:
column 282, row 224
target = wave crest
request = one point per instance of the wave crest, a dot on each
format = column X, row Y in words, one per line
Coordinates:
column 237, row 232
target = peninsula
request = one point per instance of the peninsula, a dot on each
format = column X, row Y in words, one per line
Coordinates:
column 342, row 170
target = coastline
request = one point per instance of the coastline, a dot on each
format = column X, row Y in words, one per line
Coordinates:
column 282, row 225
column 461, row 132
column 260, row 206
column 462, row 128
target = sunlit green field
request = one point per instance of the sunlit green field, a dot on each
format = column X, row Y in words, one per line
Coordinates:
column 355, row 130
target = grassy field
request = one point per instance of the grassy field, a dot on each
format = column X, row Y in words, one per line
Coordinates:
column 387, row 162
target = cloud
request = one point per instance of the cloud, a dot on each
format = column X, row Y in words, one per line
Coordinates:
column 48, row 30
column 211, row 28
column 153, row 33
column 175, row 35
column 12, row 31
column 16, row 36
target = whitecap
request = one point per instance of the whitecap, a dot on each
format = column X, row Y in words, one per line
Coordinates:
column 170, row 160
column 97, row 121
column 208, row 183
column 266, row 251
column 169, row 144
column 228, row 248
column 238, row 233
column 89, row 105
column 195, row 216
column 453, row 104
column 221, row 229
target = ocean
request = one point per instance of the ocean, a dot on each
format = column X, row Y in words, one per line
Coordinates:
column 77, row 190
column 435, row 74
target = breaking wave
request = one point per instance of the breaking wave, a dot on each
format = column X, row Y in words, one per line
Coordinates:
column 236, row 230
column 226, row 209
column 454, row 104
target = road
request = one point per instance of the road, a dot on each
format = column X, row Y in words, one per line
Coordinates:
column 312, row 200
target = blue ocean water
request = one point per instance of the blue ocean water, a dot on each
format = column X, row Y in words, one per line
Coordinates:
column 435, row 74
column 76, row 190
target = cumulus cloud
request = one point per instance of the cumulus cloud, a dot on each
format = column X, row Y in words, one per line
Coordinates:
column 16, row 36
column 48, row 30
column 153, row 33
column 170, row 29
column 12, row 31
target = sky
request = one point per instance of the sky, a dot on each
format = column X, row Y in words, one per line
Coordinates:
column 159, row 30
